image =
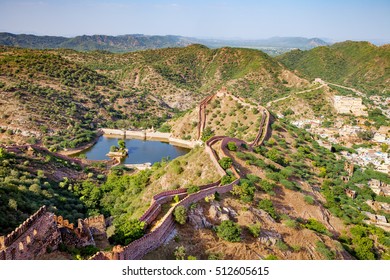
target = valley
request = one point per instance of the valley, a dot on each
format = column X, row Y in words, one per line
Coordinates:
column 275, row 172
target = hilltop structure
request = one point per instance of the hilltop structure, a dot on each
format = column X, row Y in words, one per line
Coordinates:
column 349, row 105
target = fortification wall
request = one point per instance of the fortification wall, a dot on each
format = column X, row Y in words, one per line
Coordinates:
column 157, row 237
column 109, row 131
column 32, row 238
column 212, row 153
column 183, row 143
column 63, row 222
column 19, row 148
column 155, row 208
column 151, row 241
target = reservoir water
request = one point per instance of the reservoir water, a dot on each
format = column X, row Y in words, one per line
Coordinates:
column 139, row 151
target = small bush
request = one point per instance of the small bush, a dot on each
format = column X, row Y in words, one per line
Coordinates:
column 282, row 245
column 232, row 146
column 255, row 229
column 192, row 189
column 315, row 225
column 180, row 214
column 225, row 162
column 291, row 223
column 229, row 231
column 271, row 257
column 324, row 251
column 268, row 206
column 309, row 199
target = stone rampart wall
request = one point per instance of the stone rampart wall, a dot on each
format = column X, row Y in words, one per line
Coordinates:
column 32, row 238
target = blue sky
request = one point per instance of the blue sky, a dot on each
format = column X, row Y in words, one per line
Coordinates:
column 245, row 19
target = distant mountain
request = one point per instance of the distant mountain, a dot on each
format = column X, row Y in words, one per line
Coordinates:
column 134, row 42
column 274, row 42
column 123, row 43
column 357, row 64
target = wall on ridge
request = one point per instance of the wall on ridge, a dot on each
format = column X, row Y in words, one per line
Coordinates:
column 151, row 241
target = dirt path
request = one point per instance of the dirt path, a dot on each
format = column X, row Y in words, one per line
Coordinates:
column 299, row 92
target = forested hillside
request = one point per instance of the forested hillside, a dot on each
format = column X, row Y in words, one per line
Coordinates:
column 361, row 65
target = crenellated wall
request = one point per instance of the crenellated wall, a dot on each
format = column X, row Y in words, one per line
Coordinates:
column 63, row 222
column 32, row 238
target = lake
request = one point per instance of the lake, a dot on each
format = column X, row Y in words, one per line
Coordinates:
column 140, row 151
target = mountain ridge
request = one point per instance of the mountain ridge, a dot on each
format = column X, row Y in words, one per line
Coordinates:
column 134, row 42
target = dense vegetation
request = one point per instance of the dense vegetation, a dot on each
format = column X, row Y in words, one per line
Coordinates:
column 301, row 159
column 124, row 43
column 357, row 64
column 27, row 183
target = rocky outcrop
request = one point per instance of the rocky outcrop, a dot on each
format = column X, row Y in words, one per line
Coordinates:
column 269, row 238
column 197, row 218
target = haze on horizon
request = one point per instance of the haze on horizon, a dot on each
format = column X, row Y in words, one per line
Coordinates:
column 246, row 19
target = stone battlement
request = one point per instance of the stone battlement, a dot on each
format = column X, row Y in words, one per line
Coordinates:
column 32, row 238
column 7, row 240
column 62, row 222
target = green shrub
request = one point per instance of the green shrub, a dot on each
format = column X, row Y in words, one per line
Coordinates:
column 227, row 179
column 180, row 214
column 271, row 257
column 255, row 229
column 309, row 199
column 315, row 225
column 291, row 223
column 127, row 231
column 324, row 251
column 177, row 169
column 192, row 189
column 225, row 162
column 282, row 245
column 232, row 146
column 268, row 207
column 229, row 231
column 266, row 186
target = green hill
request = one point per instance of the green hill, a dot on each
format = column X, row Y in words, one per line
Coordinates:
column 357, row 64
column 123, row 43
column 135, row 42
column 60, row 96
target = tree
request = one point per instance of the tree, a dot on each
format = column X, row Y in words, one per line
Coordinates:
column 266, row 186
column 229, row 231
column 3, row 153
column 192, row 189
column 207, row 134
column 225, row 162
column 232, row 146
column 245, row 190
column 122, row 144
column 180, row 253
column 113, row 148
column 127, row 231
column 227, row 179
column 180, row 214
column 268, row 206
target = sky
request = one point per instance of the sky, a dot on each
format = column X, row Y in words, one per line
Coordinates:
column 335, row 20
